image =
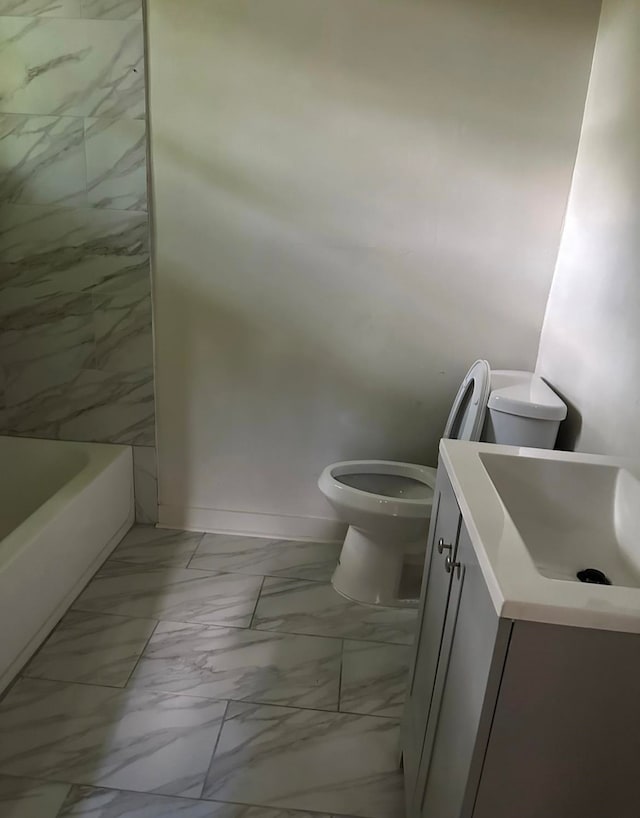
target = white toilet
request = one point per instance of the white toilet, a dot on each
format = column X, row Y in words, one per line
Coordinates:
column 388, row 504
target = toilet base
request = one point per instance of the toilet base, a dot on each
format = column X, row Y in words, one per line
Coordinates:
column 371, row 566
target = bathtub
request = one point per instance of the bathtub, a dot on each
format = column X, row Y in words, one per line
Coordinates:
column 63, row 508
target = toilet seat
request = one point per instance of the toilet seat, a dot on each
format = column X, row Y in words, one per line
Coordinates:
column 380, row 487
column 467, row 414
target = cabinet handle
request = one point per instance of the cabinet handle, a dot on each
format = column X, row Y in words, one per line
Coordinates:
column 443, row 546
column 450, row 565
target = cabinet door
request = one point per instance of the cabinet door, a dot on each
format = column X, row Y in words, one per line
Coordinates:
column 436, row 585
column 465, row 691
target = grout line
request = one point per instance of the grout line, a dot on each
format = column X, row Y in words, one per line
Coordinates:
column 340, row 677
column 140, row 655
column 215, row 749
column 255, row 607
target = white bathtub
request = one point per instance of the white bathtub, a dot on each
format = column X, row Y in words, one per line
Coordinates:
column 63, row 508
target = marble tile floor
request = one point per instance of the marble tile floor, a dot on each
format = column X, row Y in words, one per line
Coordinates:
column 209, row 676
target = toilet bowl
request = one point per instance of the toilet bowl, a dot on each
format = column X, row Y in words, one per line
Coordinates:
column 387, row 504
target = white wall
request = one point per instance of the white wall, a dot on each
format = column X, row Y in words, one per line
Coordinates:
column 353, row 201
column 590, row 346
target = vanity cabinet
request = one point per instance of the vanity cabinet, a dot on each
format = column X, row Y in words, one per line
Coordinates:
column 507, row 718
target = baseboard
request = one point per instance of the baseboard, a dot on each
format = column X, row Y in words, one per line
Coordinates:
column 250, row 524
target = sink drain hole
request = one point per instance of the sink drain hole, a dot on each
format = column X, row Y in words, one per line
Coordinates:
column 593, row 576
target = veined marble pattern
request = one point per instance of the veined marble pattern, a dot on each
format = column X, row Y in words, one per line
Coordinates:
column 157, row 728
column 112, row 9
column 298, row 606
column 42, row 160
column 116, row 163
column 87, row 802
column 44, row 8
column 55, row 266
column 73, row 67
column 306, row 759
column 92, row 648
column 42, row 345
column 29, row 798
column 89, row 405
column 374, row 678
column 91, row 9
column 73, row 224
column 122, row 326
column 126, row 739
column 48, row 252
column 47, row 249
column 231, row 663
column 180, row 594
column 255, row 555
column 146, row 545
column 145, row 484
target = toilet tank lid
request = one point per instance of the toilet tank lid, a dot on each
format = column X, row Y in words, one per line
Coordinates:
column 526, row 395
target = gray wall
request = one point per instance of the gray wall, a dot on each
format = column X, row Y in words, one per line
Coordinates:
column 590, row 346
column 353, row 200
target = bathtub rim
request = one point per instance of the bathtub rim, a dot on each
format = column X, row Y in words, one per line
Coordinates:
column 100, row 455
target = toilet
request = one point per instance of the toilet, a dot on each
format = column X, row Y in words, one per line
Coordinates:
column 387, row 504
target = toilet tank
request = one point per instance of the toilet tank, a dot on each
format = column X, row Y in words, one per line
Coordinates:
column 522, row 410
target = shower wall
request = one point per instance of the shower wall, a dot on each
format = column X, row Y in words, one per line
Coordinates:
column 75, row 305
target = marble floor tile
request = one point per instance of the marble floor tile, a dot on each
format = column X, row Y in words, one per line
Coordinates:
column 88, row 802
column 374, row 678
column 309, row 760
column 296, row 606
column 29, row 798
column 116, row 163
column 254, row 555
column 42, row 160
column 146, row 545
column 242, row 664
column 74, row 67
column 91, row 648
column 126, row 739
column 179, row 594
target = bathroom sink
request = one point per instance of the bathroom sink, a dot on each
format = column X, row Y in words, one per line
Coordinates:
column 572, row 517
column 537, row 518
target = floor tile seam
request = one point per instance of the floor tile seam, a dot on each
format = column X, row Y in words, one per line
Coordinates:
column 265, row 575
column 266, row 633
column 340, row 675
column 160, row 690
column 334, row 636
column 71, row 609
column 255, row 607
column 222, row 699
column 22, row 674
column 207, row 773
column 252, row 628
column 207, row 572
column 71, row 785
column 140, row 655
column 282, row 809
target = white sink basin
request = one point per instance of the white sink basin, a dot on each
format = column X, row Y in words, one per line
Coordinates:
column 536, row 518
column 572, row 516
